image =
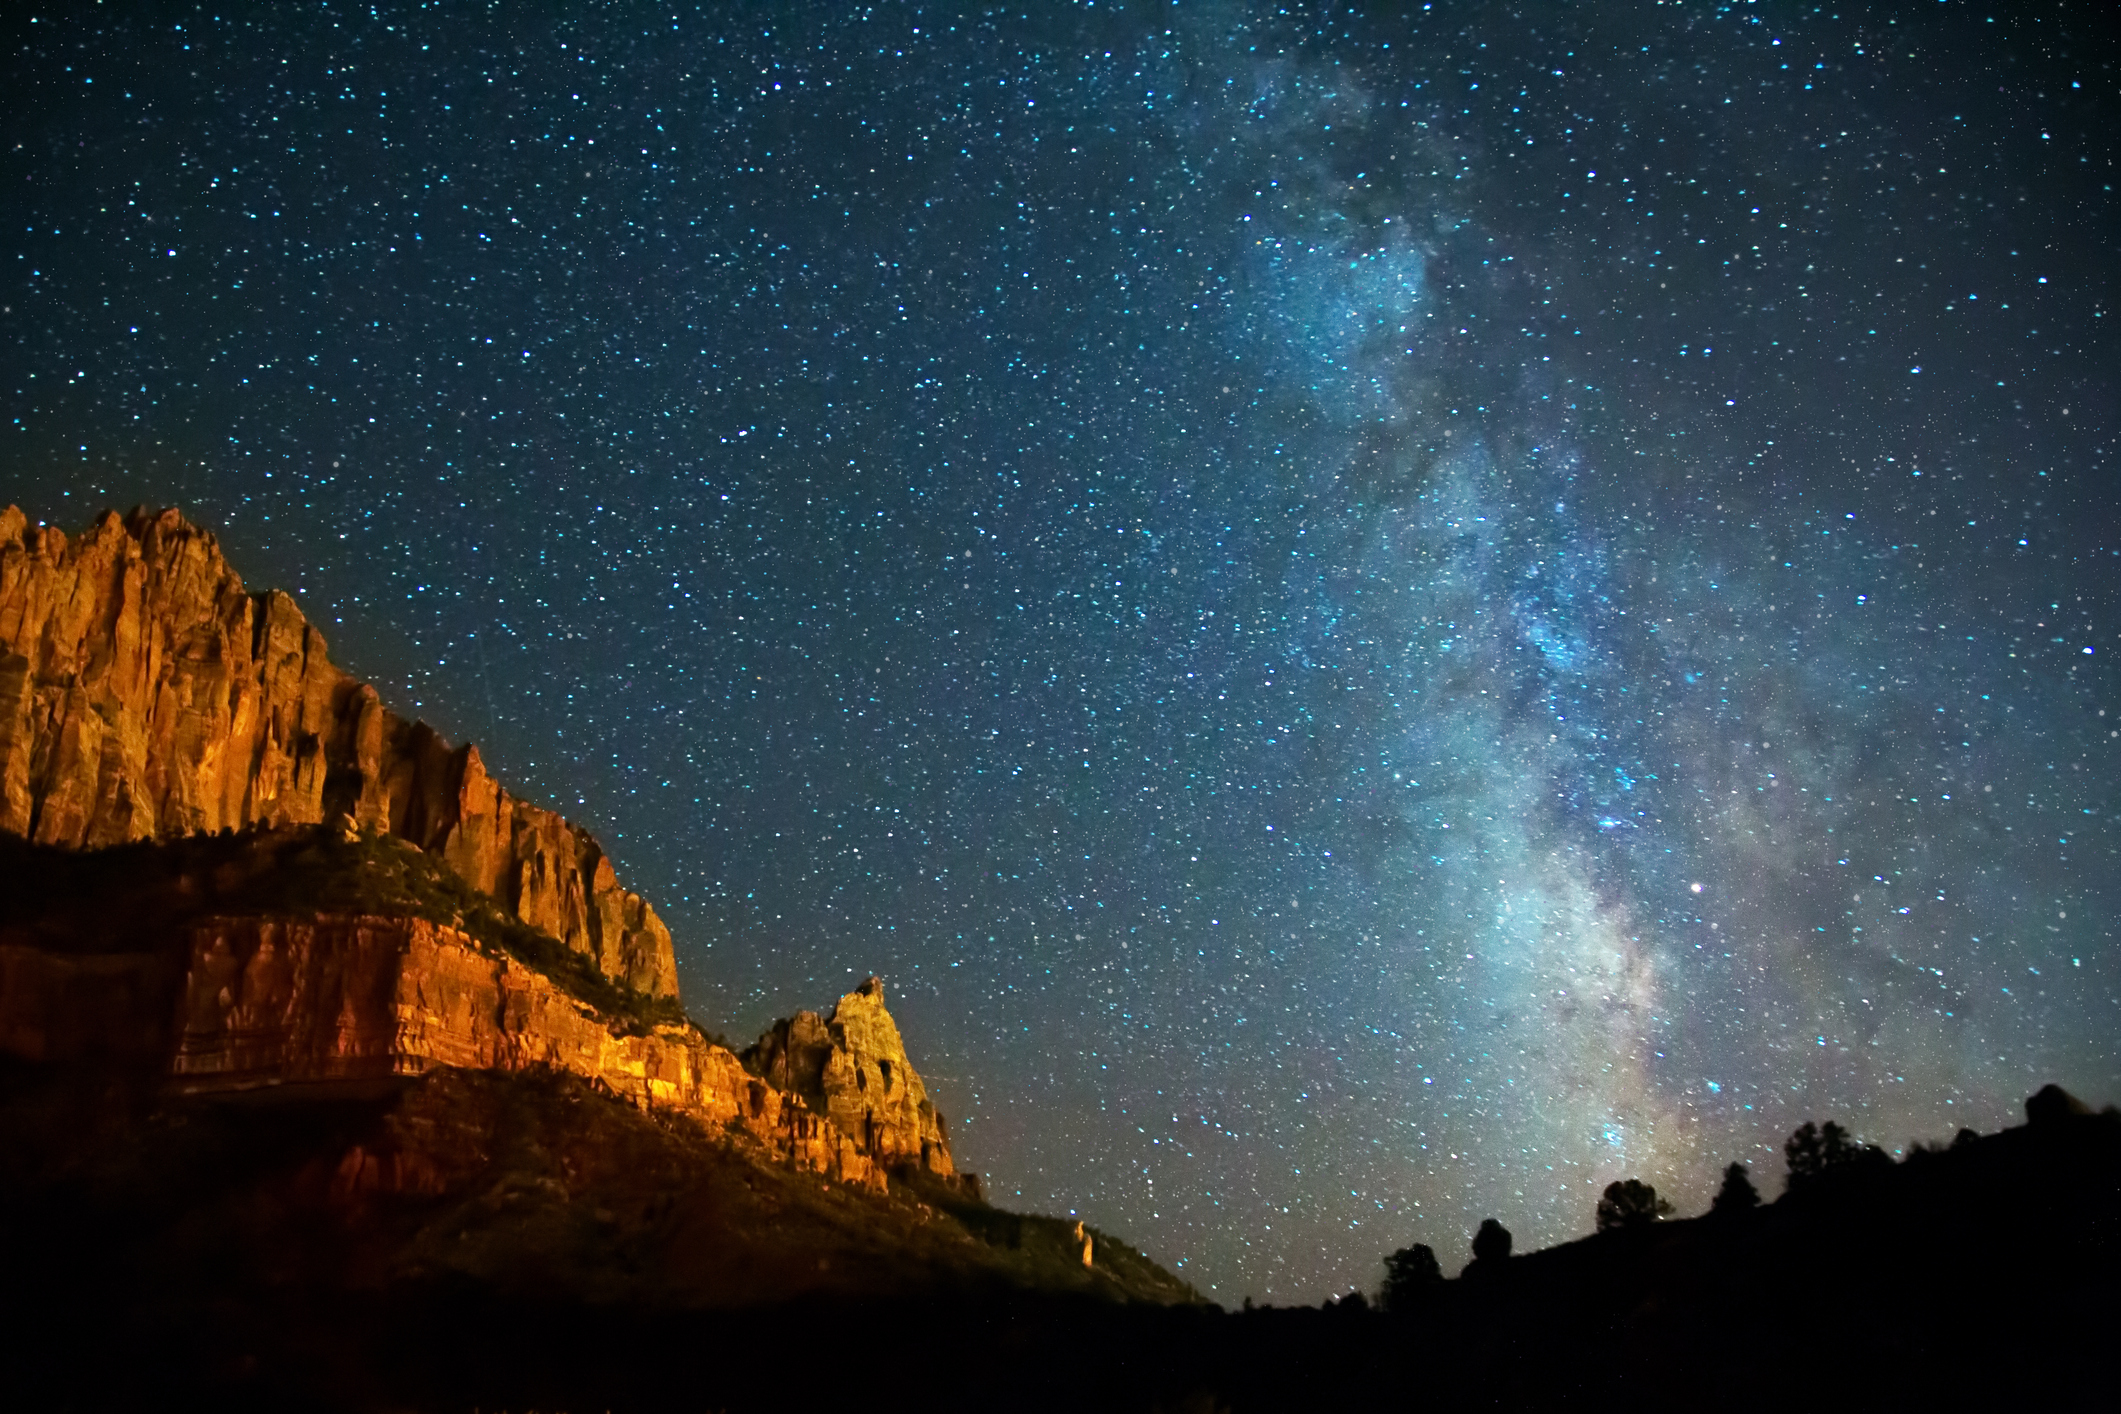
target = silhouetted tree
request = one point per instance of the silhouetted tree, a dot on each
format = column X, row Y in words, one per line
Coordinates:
column 1632, row 1203
column 1963, row 1138
column 1737, row 1194
column 1410, row 1274
column 1814, row 1152
column 1492, row 1243
column 1801, row 1151
column 1836, row 1145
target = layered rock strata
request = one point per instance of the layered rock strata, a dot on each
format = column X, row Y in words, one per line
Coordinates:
column 264, row 1001
column 852, row 1067
column 145, row 694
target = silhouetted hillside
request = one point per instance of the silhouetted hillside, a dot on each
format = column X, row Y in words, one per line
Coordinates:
column 1982, row 1269
column 525, row 1242
column 478, row 1238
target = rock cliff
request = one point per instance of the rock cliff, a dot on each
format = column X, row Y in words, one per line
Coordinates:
column 282, row 1000
column 145, row 694
column 239, row 1002
column 852, row 1067
column 234, row 867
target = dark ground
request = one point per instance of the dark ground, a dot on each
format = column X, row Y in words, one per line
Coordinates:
column 470, row 1241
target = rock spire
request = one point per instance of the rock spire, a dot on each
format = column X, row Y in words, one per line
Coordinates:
column 852, row 1068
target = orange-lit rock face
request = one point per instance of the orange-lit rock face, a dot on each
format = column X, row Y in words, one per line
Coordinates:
column 267, row 1001
column 144, row 694
column 853, row 1066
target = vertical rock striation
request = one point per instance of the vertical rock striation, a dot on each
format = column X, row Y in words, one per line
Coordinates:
column 145, row 694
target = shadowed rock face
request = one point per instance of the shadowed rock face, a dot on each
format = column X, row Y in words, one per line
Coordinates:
column 852, row 1067
column 145, row 694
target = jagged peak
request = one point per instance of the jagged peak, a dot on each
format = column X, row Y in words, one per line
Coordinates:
column 852, row 1065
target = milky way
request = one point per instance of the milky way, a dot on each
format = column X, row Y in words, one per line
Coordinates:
column 1373, row 620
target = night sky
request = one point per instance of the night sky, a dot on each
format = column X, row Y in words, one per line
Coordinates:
column 1374, row 620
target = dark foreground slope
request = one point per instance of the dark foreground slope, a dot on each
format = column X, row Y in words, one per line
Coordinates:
column 407, row 1233
column 468, row 1240
column 528, row 1239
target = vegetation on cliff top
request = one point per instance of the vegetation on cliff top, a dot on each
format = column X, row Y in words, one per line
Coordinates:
column 135, row 897
column 376, row 873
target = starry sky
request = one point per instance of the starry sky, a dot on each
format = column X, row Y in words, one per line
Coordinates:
column 1374, row 617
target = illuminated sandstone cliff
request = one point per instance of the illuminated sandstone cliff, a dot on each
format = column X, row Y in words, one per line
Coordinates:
column 300, row 1000
column 145, row 694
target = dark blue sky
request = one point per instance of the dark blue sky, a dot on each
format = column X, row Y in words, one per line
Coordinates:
column 1374, row 619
